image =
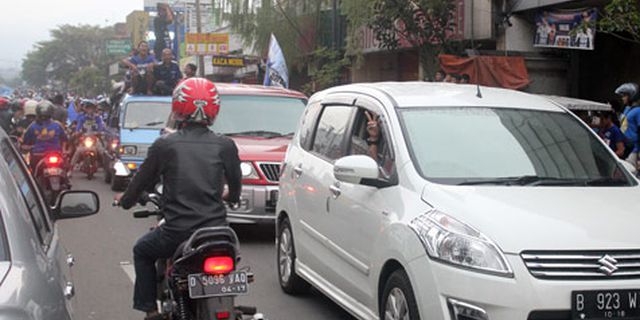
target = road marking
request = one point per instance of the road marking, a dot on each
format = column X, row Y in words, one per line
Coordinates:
column 130, row 271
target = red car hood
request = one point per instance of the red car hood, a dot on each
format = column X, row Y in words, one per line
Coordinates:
column 261, row 149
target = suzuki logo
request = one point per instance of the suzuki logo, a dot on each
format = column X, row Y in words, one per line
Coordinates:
column 608, row 265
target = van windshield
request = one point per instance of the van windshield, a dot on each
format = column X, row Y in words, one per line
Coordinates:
column 262, row 116
column 497, row 146
column 146, row 115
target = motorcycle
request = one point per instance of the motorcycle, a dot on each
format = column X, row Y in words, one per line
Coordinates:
column 51, row 175
column 202, row 279
column 90, row 155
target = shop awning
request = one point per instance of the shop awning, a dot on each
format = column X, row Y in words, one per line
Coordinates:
column 492, row 71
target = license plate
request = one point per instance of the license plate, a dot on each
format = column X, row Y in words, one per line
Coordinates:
column 605, row 304
column 204, row 285
column 53, row 172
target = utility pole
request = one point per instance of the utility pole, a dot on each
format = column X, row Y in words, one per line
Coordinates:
column 334, row 25
column 199, row 30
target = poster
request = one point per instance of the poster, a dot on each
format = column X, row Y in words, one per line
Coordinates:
column 207, row 43
column 573, row 29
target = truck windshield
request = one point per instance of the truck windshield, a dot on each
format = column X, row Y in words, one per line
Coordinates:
column 497, row 146
column 146, row 115
column 261, row 116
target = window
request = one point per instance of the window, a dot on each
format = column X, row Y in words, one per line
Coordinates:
column 146, row 115
column 308, row 125
column 359, row 146
column 28, row 191
column 330, row 136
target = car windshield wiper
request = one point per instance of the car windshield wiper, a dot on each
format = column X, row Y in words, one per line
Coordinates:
column 521, row 181
column 258, row 133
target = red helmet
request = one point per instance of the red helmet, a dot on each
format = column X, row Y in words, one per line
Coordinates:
column 4, row 103
column 196, row 99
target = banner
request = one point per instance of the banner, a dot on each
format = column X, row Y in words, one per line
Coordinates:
column 222, row 61
column 207, row 43
column 118, row 47
column 566, row 29
column 277, row 73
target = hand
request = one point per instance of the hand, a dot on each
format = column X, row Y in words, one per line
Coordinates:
column 373, row 126
column 225, row 196
column 117, row 198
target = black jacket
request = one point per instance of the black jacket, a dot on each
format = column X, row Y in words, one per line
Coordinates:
column 192, row 164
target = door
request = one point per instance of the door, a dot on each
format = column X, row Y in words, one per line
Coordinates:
column 48, row 249
column 314, row 171
column 359, row 213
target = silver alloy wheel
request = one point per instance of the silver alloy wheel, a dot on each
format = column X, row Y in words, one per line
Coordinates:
column 396, row 307
column 285, row 250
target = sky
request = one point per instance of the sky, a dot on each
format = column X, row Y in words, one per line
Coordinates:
column 26, row 22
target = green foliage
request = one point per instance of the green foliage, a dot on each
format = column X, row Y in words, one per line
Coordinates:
column 359, row 14
column 423, row 24
column 621, row 18
column 325, row 69
column 70, row 49
column 89, row 81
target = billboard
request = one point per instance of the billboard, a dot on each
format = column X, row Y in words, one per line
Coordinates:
column 207, row 43
column 566, row 29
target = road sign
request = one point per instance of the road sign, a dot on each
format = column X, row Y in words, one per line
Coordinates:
column 222, row 61
column 207, row 43
column 118, row 47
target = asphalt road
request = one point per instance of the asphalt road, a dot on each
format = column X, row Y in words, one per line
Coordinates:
column 103, row 273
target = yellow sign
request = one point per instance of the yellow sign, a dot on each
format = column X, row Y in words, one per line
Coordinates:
column 221, row 61
column 207, row 43
column 138, row 24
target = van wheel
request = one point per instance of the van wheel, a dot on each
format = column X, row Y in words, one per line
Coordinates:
column 399, row 302
column 290, row 282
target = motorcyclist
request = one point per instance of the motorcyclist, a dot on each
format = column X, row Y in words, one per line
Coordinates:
column 44, row 135
column 193, row 164
column 88, row 122
column 630, row 117
column 29, row 116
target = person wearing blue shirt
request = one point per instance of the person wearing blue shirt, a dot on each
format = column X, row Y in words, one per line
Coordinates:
column 44, row 135
column 167, row 74
column 141, row 67
column 630, row 118
column 611, row 134
column 89, row 122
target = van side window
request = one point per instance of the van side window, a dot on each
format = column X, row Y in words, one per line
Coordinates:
column 329, row 140
column 29, row 192
column 308, row 124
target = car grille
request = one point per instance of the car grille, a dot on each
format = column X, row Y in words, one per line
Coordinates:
column 271, row 171
column 580, row 265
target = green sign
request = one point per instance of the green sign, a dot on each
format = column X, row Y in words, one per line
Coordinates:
column 118, row 47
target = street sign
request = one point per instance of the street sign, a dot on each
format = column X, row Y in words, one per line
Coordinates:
column 118, row 47
column 207, row 43
column 222, row 61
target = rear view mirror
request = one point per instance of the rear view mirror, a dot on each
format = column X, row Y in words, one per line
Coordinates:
column 357, row 169
column 76, row 204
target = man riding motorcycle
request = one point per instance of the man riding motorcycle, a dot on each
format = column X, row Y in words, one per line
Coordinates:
column 88, row 122
column 43, row 135
column 193, row 165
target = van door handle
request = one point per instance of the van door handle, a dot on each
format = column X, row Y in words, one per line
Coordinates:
column 335, row 190
column 297, row 171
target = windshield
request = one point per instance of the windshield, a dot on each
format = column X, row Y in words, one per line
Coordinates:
column 146, row 115
column 500, row 146
column 258, row 115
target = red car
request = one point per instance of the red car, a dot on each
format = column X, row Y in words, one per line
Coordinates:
column 262, row 121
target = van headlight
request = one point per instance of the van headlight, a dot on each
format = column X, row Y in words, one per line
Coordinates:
column 451, row 241
column 248, row 171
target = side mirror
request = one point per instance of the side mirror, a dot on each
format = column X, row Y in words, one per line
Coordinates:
column 631, row 168
column 76, row 204
column 357, row 169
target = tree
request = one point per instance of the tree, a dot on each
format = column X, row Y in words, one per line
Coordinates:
column 89, row 82
column 423, row 24
column 70, row 49
column 621, row 19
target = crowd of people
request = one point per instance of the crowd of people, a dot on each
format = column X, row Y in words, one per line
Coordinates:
column 442, row 76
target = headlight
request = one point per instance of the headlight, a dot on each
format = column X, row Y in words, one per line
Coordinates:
column 129, row 150
column 451, row 241
column 88, row 142
column 248, row 171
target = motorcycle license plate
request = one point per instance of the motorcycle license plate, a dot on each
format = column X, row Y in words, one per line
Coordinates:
column 605, row 304
column 53, row 172
column 203, row 285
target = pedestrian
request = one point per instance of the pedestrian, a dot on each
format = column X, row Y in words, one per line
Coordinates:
column 190, row 70
column 439, row 76
column 465, row 78
column 630, row 118
column 611, row 134
column 167, row 74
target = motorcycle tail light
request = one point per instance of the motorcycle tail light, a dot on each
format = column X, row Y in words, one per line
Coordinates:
column 218, row 265
column 53, row 160
column 114, row 144
column 223, row 315
column 88, row 142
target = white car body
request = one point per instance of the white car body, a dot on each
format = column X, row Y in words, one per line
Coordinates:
column 346, row 245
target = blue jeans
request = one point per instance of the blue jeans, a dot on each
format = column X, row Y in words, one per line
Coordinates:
column 157, row 244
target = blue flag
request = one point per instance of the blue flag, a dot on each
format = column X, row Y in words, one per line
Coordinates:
column 72, row 115
column 276, row 74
